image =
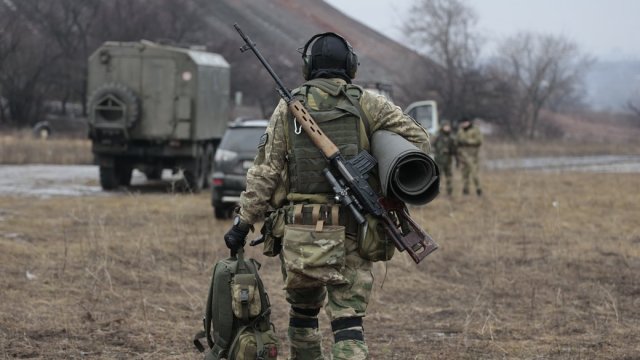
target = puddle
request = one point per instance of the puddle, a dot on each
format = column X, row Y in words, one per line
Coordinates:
column 600, row 164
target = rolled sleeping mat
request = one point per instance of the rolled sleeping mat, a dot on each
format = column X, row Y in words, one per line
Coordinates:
column 405, row 171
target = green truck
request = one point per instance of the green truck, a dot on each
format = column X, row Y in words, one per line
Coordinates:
column 153, row 107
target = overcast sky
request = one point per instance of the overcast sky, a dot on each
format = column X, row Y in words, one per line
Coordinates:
column 607, row 29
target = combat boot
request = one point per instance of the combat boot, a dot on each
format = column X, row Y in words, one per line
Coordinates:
column 348, row 341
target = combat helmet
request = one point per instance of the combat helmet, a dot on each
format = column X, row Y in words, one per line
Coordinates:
column 331, row 56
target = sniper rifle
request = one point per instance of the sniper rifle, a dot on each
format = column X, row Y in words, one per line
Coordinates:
column 349, row 178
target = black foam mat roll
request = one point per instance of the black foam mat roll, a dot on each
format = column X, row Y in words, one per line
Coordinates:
column 405, row 171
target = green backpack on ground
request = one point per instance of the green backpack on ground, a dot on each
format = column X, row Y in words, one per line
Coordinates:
column 237, row 322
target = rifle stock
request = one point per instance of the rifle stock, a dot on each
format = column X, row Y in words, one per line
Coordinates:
column 328, row 148
column 351, row 188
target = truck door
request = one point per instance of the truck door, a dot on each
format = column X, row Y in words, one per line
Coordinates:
column 158, row 92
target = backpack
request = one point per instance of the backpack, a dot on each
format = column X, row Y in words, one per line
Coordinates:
column 237, row 322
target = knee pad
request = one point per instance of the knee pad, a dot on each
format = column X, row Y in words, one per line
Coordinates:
column 349, row 328
column 308, row 318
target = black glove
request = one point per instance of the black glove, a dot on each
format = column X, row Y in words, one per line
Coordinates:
column 235, row 237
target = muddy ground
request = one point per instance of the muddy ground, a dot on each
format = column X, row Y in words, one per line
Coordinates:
column 544, row 266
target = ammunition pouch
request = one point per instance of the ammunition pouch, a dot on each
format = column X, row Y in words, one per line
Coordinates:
column 313, row 253
column 374, row 244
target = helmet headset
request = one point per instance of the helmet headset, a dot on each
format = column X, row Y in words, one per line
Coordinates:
column 308, row 65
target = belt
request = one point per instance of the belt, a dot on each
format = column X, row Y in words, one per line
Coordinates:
column 310, row 214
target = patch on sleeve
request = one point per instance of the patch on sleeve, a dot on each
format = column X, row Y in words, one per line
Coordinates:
column 263, row 140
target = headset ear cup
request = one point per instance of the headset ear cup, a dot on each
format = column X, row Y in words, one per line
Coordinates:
column 306, row 67
column 352, row 64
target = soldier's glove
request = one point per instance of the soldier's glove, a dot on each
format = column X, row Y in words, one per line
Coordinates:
column 235, row 237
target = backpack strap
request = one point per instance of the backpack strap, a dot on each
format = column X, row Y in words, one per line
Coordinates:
column 208, row 313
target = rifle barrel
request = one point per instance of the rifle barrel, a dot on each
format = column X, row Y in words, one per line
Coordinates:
column 284, row 92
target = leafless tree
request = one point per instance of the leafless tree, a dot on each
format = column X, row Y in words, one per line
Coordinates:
column 24, row 65
column 543, row 70
column 68, row 25
column 444, row 31
column 45, row 44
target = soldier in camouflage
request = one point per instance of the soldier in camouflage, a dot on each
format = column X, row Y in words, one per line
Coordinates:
column 287, row 170
column 469, row 140
column 444, row 149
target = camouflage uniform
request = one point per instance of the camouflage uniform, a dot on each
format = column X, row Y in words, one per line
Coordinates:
column 444, row 149
column 268, row 185
column 469, row 141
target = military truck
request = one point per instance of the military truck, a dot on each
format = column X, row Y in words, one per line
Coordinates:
column 153, row 107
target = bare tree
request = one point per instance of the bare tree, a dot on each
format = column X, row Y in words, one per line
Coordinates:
column 67, row 24
column 444, row 31
column 543, row 69
column 25, row 61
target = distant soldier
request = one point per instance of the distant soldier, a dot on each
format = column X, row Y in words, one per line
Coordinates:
column 469, row 140
column 444, row 149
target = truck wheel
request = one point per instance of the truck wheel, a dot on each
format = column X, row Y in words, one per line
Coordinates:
column 108, row 178
column 208, row 165
column 124, row 172
column 194, row 179
column 221, row 212
column 153, row 174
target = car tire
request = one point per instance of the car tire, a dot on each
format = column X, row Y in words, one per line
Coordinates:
column 221, row 212
column 124, row 173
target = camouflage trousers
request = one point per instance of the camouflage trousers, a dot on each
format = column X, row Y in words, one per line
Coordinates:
column 447, row 173
column 346, row 301
column 470, row 165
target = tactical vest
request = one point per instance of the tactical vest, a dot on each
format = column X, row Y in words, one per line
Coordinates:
column 336, row 109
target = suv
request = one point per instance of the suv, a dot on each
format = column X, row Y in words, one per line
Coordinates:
column 233, row 158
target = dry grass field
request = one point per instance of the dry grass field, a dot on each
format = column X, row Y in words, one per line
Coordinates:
column 20, row 147
column 545, row 266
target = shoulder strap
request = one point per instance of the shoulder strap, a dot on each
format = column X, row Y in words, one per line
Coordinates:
column 355, row 101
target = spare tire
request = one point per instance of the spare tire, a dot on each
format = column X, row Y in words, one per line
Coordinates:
column 114, row 102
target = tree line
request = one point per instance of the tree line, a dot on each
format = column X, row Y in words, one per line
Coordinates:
column 45, row 45
column 527, row 73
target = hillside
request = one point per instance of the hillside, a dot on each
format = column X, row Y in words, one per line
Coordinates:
column 280, row 27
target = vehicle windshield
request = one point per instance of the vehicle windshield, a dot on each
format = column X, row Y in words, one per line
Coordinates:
column 423, row 115
column 242, row 139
